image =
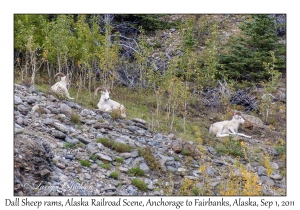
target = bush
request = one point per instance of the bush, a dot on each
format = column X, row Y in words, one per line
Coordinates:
column 114, row 175
column 140, row 184
column 137, row 171
column 105, row 166
column 68, row 145
column 120, row 160
column 230, row 147
column 75, row 118
column 146, row 153
column 85, row 163
column 93, row 157
column 119, row 147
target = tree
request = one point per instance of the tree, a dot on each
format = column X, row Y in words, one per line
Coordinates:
column 249, row 51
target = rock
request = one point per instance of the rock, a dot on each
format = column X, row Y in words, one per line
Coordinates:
column 103, row 157
column 90, row 122
column 52, row 98
column 177, row 146
column 60, row 127
column 100, row 146
column 31, row 99
column 134, row 154
column 66, row 110
column 45, row 173
column 261, row 171
column 276, row 176
column 170, row 168
column 266, row 180
column 17, row 100
column 254, row 121
column 123, row 169
column 92, row 148
column 20, row 121
column 211, row 150
column 158, row 137
column 98, row 125
column 87, row 176
column 22, row 108
column 83, row 139
column 144, row 167
column 125, row 155
column 60, row 165
column 132, row 191
column 274, row 165
column 58, row 134
column 138, row 120
column 210, row 171
column 84, row 112
column 48, row 121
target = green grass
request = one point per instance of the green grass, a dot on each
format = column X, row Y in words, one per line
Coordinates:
column 93, row 157
column 119, row 147
column 114, row 175
column 120, row 160
column 75, row 118
column 137, row 171
column 141, row 185
column 85, row 163
column 230, row 147
column 68, row 145
column 146, row 153
column 105, row 166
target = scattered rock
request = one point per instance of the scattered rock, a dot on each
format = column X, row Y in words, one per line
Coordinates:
column 66, row 110
column 177, row 146
column 103, row 157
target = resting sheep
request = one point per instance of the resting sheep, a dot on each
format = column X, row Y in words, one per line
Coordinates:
column 107, row 105
column 228, row 127
column 60, row 87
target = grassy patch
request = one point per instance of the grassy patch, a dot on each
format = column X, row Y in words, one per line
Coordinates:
column 114, row 175
column 93, row 157
column 120, row 160
column 68, row 145
column 141, row 185
column 146, row 153
column 106, row 166
column 230, row 147
column 85, row 163
column 137, row 171
column 75, row 118
column 119, row 147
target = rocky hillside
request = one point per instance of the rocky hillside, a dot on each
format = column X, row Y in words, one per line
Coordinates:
column 62, row 148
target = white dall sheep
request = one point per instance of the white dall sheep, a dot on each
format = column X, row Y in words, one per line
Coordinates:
column 60, row 87
column 228, row 127
column 106, row 104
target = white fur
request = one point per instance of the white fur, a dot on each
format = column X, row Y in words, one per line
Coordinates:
column 228, row 127
column 107, row 105
column 61, row 86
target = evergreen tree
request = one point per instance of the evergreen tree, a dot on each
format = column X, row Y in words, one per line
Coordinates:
column 251, row 50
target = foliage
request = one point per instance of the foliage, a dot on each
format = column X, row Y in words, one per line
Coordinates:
column 93, row 157
column 146, row 153
column 249, row 51
column 75, row 118
column 137, row 171
column 188, row 187
column 105, row 166
column 141, row 185
column 69, row 145
column 85, row 163
column 114, row 175
column 230, row 147
column 119, row 147
column 119, row 160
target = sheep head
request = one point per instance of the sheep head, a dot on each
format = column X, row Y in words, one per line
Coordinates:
column 238, row 116
column 104, row 91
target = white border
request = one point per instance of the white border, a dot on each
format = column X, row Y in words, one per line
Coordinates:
column 154, row 6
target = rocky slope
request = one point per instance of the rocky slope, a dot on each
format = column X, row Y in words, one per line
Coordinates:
column 50, row 149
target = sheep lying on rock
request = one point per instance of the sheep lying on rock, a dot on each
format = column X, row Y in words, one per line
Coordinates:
column 228, row 127
column 107, row 105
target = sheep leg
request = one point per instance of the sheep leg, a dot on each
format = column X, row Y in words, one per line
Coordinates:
column 68, row 95
column 241, row 134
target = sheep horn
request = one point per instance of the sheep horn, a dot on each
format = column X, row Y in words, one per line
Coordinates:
column 99, row 88
column 59, row 75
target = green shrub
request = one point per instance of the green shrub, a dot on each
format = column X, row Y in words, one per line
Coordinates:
column 105, row 166
column 230, row 147
column 120, row 160
column 140, row 184
column 93, row 157
column 85, row 163
column 119, row 147
column 137, row 171
column 75, row 118
column 114, row 175
column 146, row 153
column 68, row 145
